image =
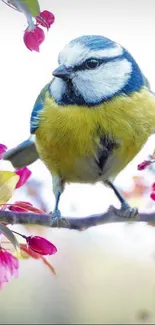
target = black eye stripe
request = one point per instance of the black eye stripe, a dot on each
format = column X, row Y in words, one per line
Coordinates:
column 83, row 66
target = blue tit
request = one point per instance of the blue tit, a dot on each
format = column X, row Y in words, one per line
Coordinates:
column 92, row 118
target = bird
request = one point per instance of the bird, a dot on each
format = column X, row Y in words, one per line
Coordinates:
column 91, row 119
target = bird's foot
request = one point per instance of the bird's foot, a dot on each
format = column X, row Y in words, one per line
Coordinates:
column 128, row 212
column 58, row 221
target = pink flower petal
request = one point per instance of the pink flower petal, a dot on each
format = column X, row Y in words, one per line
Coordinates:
column 9, row 266
column 45, row 19
column 3, row 149
column 33, row 38
column 41, row 245
column 24, row 174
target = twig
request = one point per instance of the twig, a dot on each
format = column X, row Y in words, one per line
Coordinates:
column 110, row 216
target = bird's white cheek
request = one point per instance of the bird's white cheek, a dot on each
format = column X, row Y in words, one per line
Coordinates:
column 103, row 82
column 58, row 88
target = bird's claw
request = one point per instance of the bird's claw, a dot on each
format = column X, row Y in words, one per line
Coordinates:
column 56, row 214
column 128, row 212
column 58, row 221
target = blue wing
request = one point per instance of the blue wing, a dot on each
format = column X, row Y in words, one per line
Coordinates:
column 38, row 106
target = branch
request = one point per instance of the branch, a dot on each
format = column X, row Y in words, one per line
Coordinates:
column 111, row 215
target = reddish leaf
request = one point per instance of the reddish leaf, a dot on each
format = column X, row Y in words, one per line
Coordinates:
column 29, row 251
column 37, row 256
column 3, row 207
column 35, row 210
column 21, row 206
column 48, row 264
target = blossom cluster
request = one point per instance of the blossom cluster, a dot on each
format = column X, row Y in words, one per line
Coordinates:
column 37, row 20
column 35, row 247
column 34, row 36
column 143, row 165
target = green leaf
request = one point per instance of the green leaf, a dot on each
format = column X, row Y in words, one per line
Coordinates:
column 9, row 235
column 8, row 181
column 33, row 6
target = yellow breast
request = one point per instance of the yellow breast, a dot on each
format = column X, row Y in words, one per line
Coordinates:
column 70, row 134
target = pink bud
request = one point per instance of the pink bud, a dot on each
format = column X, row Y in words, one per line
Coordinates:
column 41, row 245
column 33, row 38
column 144, row 164
column 3, row 149
column 45, row 18
column 152, row 196
column 24, row 174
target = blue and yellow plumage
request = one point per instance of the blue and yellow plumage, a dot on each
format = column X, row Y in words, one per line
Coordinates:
column 94, row 116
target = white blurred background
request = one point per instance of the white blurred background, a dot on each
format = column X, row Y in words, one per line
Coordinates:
column 105, row 274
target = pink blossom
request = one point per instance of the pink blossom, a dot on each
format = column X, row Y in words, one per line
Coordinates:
column 41, row 245
column 9, row 265
column 3, row 149
column 24, row 174
column 45, row 18
column 33, row 38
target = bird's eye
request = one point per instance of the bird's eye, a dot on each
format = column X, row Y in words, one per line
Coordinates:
column 92, row 63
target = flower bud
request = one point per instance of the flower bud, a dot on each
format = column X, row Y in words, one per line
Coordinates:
column 41, row 245
column 45, row 18
column 144, row 164
column 33, row 38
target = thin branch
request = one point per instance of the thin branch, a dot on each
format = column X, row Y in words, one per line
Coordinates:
column 111, row 215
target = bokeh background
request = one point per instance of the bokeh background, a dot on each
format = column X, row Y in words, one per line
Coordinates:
column 107, row 273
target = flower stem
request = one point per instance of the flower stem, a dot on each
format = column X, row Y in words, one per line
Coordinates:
column 24, row 9
column 19, row 234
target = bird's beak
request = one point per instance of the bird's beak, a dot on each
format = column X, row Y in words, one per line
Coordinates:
column 62, row 72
